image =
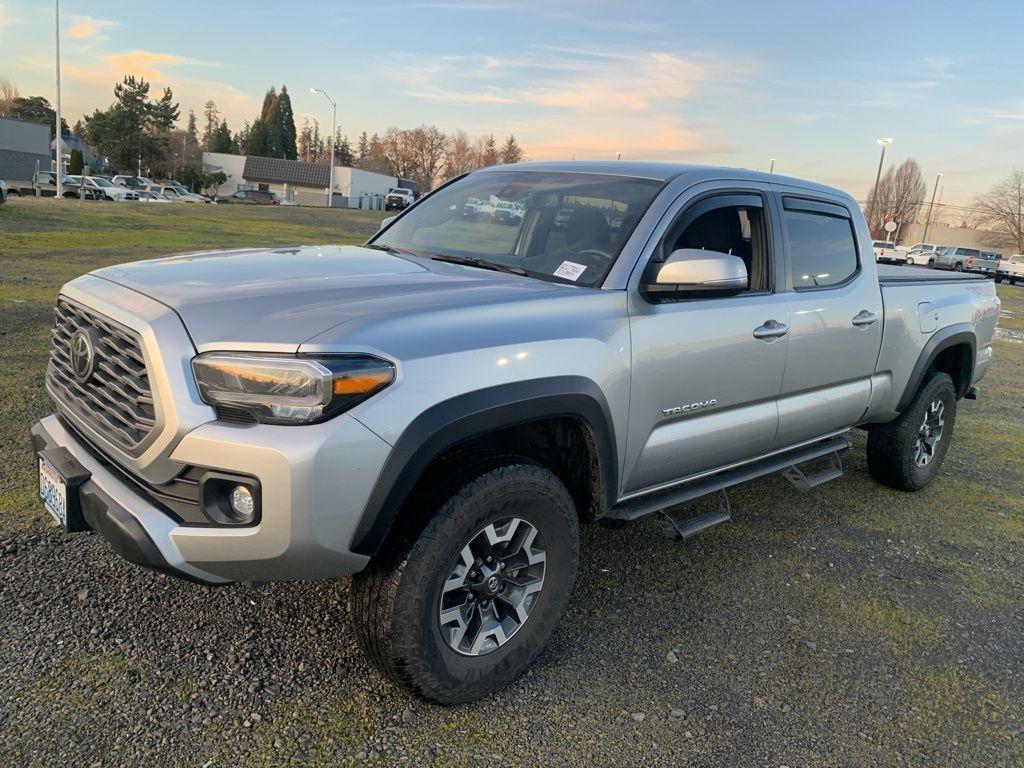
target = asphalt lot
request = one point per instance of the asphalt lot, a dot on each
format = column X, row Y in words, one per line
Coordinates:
column 852, row 625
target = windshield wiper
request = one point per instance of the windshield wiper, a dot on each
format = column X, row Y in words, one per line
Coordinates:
column 385, row 248
column 470, row 261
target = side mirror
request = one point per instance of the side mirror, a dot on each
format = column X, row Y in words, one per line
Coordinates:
column 700, row 273
column 385, row 222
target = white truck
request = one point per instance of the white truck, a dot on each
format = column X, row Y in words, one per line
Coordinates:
column 1011, row 269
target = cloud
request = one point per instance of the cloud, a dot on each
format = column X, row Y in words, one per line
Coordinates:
column 112, row 67
column 7, row 18
column 88, row 28
column 562, row 101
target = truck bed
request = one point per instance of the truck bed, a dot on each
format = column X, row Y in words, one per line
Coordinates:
column 902, row 275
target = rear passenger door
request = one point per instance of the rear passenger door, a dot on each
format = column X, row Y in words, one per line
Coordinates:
column 835, row 312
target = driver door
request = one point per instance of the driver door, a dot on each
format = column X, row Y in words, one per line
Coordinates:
column 706, row 376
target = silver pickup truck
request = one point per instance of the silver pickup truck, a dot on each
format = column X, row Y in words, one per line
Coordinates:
column 439, row 410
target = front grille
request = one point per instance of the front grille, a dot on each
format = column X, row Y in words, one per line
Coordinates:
column 116, row 401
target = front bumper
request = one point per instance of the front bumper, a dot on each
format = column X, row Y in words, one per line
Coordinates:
column 315, row 483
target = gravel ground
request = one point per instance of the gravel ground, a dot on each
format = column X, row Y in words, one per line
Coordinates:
column 852, row 625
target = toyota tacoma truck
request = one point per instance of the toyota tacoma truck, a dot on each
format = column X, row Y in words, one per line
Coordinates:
column 437, row 412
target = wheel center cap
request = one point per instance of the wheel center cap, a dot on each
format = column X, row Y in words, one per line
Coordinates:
column 492, row 585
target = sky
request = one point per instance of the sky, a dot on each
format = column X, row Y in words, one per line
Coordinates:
column 811, row 84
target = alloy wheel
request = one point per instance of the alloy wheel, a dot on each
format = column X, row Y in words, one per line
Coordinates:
column 492, row 587
column 929, row 433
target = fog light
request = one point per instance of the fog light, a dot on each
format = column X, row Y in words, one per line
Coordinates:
column 242, row 503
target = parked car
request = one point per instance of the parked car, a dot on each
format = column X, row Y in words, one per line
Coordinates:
column 920, row 253
column 44, row 184
column 3, row 192
column 250, row 197
column 399, row 199
column 1011, row 269
column 953, row 257
column 508, row 213
column 149, row 196
column 107, row 188
column 471, row 207
column 132, row 182
column 440, row 422
column 886, row 253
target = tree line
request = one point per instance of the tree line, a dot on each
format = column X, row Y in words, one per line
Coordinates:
column 140, row 130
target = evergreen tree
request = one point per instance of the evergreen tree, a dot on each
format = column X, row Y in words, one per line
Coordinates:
column 364, row 147
column 133, row 127
column 221, row 141
column 77, row 163
column 343, row 151
column 511, row 152
column 212, row 124
column 264, row 137
column 489, row 156
column 285, row 121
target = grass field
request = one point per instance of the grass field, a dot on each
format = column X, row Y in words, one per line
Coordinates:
column 45, row 243
column 854, row 625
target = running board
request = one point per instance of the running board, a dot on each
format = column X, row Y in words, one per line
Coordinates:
column 651, row 504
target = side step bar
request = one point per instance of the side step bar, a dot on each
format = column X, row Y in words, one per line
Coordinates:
column 673, row 497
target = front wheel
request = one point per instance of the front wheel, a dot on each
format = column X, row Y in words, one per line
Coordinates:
column 931, row 263
column 910, row 261
column 464, row 610
column 907, row 452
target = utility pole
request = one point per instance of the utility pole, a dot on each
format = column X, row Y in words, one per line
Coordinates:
column 878, row 177
column 771, row 168
column 60, row 138
column 330, row 159
column 928, row 218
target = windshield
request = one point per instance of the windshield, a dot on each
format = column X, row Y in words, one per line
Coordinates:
column 945, row 251
column 99, row 181
column 567, row 227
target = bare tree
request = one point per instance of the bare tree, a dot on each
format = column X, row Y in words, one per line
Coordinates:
column 8, row 93
column 459, row 156
column 430, row 145
column 898, row 197
column 1001, row 212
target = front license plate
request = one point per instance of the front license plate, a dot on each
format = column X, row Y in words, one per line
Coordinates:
column 53, row 490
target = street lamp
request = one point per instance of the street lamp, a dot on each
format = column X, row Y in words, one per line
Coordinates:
column 771, row 169
column 878, row 177
column 928, row 218
column 60, row 136
column 334, row 129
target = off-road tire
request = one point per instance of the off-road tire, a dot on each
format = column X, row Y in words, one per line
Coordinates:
column 892, row 447
column 394, row 602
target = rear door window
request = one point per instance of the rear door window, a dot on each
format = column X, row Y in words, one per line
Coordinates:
column 821, row 243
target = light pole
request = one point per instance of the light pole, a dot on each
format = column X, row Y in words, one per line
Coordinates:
column 60, row 137
column 928, row 218
column 771, row 168
column 334, row 129
column 878, row 177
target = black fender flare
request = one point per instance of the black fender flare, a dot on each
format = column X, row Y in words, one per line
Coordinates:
column 960, row 333
column 475, row 414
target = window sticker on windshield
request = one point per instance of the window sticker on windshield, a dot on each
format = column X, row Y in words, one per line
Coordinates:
column 570, row 270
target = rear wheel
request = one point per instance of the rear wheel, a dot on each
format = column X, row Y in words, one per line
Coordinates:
column 910, row 261
column 931, row 263
column 958, row 267
column 464, row 610
column 907, row 452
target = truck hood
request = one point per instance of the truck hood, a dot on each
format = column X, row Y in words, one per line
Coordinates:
column 275, row 299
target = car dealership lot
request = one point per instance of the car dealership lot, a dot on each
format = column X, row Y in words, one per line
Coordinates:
column 850, row 625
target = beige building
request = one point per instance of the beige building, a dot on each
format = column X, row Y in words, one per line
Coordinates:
column 299, row 182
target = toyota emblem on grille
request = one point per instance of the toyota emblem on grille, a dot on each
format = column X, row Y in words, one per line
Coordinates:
column 82, row 351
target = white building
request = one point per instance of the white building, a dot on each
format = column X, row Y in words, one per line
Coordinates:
column 303, row 183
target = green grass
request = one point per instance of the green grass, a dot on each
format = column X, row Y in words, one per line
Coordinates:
column 45, row 243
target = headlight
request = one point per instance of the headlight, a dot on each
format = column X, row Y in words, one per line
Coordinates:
column 277, row 389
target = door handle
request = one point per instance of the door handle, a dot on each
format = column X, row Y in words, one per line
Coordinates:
column 771, row 330
column 864, row 318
